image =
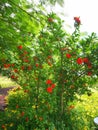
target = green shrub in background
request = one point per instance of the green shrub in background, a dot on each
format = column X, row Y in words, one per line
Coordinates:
column 85, row 111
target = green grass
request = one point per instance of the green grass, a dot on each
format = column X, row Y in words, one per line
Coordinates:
column 6, row 82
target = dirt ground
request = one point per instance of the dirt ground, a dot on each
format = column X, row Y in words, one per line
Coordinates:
column 3, row 94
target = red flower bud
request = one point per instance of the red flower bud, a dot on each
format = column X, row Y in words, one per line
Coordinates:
column 48, row 81
column 27, row 119
column 53, row 86
column 26, row 60
column 17, row 106
column 12, row 76
column 50, row 20
column 71, row 107
column 29, row 67
column 37, row 65
column 16, row 70
column 22, row 67
column 40, row 118
column 49, row 57
column 22, row 113
column 89, row 73
column 12, row 65
column 3, row 126
column 25, row 52
column 49, row 63
column 20, row 47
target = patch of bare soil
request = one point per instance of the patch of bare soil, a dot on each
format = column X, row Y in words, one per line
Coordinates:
column 3, row 94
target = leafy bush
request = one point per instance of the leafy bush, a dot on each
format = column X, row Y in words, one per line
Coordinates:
column 51, row 66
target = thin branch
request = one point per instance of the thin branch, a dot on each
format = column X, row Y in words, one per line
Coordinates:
column 10, row 23
column 26, row 12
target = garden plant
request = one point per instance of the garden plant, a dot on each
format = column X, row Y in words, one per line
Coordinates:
column 50, row 66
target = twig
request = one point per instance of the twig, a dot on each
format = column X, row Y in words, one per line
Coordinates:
column 26, row 12
column 9, row 23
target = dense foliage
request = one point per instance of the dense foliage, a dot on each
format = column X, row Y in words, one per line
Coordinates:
column 49, row 64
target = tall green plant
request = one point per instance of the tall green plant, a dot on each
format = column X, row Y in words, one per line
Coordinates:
column 51, row 65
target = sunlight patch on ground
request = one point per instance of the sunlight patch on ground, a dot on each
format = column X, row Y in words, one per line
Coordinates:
column 6, row 82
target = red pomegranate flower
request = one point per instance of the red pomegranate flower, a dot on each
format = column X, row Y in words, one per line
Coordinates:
column 68, row 55
column 7, row 65
column 49, row 89
column 77, row 20
column 85, row 60
column 79, row 61
column 48, row 81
